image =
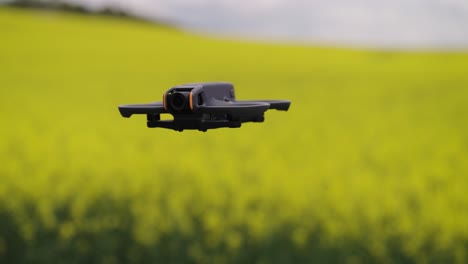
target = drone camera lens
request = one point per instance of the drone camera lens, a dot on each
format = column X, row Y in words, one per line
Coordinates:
column 178, row 101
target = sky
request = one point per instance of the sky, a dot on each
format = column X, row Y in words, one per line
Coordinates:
column 407, row 24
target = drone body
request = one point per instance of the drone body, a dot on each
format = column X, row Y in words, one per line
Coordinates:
column 203, row 106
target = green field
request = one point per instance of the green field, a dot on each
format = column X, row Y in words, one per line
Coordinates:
column 370, row 164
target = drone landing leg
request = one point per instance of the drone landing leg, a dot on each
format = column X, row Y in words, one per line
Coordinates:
column 153, row 117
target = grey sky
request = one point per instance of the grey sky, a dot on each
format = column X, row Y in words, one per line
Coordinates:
column 375, row 23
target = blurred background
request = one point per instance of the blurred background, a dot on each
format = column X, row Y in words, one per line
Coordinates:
column 369, row 165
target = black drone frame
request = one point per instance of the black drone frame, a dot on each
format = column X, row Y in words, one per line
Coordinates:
column 203, row 106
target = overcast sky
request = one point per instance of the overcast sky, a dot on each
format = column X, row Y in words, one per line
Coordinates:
column 378, row 23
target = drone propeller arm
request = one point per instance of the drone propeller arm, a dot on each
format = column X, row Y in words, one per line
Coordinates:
column 236, row 108
column 282, row 105
column 151, row 108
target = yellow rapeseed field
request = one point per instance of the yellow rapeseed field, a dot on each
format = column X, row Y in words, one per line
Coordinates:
column 370, row 164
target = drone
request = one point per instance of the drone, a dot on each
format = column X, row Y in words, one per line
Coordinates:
column 203, row 106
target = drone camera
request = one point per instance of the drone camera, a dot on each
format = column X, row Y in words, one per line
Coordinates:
column 177, row 101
